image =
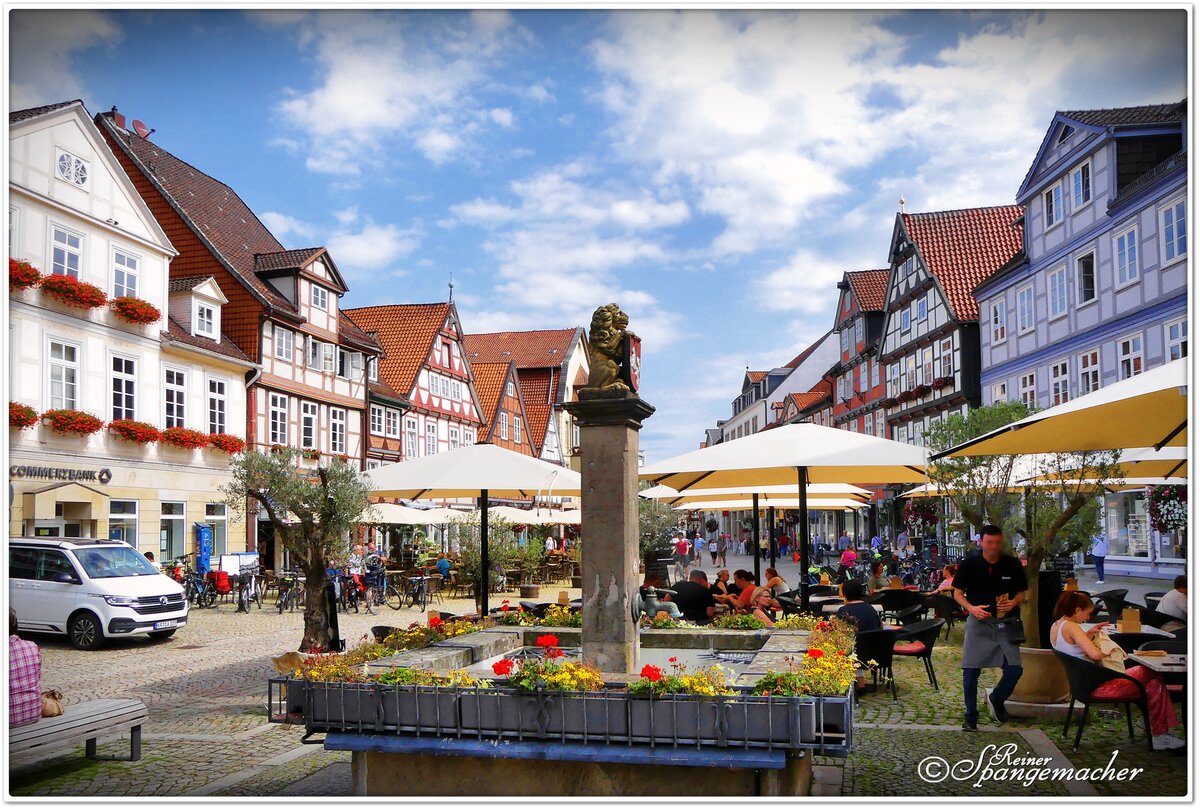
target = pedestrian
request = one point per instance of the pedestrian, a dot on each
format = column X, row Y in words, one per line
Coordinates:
column 843, row 542
column 902, row 538
column 698, row 549
column 722, row 549
column 876, row 543
column 1099, row 551
column 712, row 550
column 764, row 546
column 24, row 677
column 682, row 552
column 990, row 587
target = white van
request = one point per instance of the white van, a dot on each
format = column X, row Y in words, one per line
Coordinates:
column 91, row 590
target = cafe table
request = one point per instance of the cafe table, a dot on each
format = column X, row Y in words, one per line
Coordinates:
column 1168, row 664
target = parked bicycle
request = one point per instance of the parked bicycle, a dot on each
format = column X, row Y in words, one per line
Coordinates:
column 289, row 595
column 197, row 588
column 418, row 592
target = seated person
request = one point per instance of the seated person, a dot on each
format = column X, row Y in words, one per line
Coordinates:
column 946, row 585
column 1067, row 636
column 722, row 590
column 694, row 599
column 847, row 562
column 878, row 580
column 24, row 678
column 775, row 582
column 443, row 565
column 760, row 603
column 1175, row 604
column 855, row 610
column 743, row 585
column 650, row 591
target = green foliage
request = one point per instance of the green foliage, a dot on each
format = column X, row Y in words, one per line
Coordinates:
column 732, row 620
column 656, row 522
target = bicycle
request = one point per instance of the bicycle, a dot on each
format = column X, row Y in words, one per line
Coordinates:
column 374, row 590
column 393, row 596
column 286, row 600
column 418, row 592
column 246, row 589
column 197, row 588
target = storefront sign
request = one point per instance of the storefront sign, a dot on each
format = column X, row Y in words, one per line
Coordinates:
column 61, row 473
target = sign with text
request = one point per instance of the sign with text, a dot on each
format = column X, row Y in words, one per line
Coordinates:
column 61, row 473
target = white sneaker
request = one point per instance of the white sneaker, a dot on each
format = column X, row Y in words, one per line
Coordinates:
column 1099, row 581
column 1167, row 742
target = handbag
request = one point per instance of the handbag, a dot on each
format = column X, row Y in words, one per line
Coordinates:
column 52, row 703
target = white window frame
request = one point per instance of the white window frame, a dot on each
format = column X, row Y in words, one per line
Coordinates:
column 1000, row 392
column 1170, row 341
column 1027, row 388
column 858, row 330
column 328, row 358
column 1053, row 211
column 880, row 427
column 504, row 426
column 922, row 304
column 217, row 402
column 1059, row 276
column 377, row 416
column 320, row 297
column 1022, row 326
column 510, row 389
column 314, row 355
column 517, row 429
column 1170, row 245
column 844, row 338
column 213, row 320
column 947, row 358
column 412, row 439
column 373, row 369
column 1060, row 382
column 925, row 372
column 14, row 231
column 284, row 341
column 431, row 438
column 391, row 423
column 1079, row 285
column 905, row 319
column 127, row 378
column 337, row 430
column 454, row 438
column 179, row 418
column 1079, row 203
column 1134, row 358
column 310, row 419
column 76, row 164
column 78, row 252
column 999, row 318
column 75, row 366
column 1088, row 364
column 134, row 272
column 278, row 403
column 1131, row 268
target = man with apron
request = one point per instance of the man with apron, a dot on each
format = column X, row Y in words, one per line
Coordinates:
column 990, row 587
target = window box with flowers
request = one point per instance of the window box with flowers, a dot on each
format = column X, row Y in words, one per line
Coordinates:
column 183, row 438
column 890, row 401
column 226, row 443
column 921, row 391
column 135, row 310
column 72, row 422
column 22, row 275
column 906, row 396
column 70, row 291
column 137, row 432
column 943, row 382
column 21, row 416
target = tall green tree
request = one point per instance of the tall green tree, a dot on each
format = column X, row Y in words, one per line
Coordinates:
column 313, row 511
column 656, row 521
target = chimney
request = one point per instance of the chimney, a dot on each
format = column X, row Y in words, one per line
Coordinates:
column 117, row 118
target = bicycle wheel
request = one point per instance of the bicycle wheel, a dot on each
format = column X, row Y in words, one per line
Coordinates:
column 369, row 601
column 281, row 601
column 421, row 597
column 393, row 598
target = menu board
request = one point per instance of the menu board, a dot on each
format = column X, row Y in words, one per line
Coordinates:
column 1063, row 565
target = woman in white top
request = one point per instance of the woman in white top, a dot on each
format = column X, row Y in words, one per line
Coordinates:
column 1069, row 637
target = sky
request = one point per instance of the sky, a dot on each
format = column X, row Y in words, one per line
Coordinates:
column 714, row 173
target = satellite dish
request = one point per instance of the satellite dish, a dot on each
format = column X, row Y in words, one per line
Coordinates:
column 142, row 130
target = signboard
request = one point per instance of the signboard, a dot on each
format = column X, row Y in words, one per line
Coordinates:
column 631, row 371
column 61, row 473
column 1063, row 566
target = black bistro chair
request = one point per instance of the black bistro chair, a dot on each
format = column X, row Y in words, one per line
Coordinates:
column 893, row 601
column 947, row 609
column 1152, row 599
column 878, row 645
column 910, row 615
column 917, row 640
column 1085, row 677
column 1114, row 603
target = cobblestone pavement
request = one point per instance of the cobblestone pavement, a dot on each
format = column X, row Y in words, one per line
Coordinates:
column 207, row 734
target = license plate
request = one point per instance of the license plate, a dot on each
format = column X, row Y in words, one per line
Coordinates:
column 165, row 624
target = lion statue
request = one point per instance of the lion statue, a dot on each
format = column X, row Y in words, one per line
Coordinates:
column 605, row 352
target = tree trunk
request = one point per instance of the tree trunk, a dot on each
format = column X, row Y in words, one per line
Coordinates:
column 316, row 628
column 1029, row 607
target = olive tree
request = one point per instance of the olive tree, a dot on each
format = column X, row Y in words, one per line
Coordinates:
column 312, row 510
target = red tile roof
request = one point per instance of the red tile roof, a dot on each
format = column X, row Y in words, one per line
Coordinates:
column 870, row 288
column 581, row 378
column 756, row 376
column 185, row 284
column 33, row 112
column 962, row 248
column 489, row 386
column 406, row 332
column 538, row 395
column 177, row 333
column 808, row 399
column 286, row 259
column 547, row 348
column 803, row 355
column 348, row 332
column 385, row 390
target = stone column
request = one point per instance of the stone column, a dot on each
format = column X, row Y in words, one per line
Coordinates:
column 608, row 438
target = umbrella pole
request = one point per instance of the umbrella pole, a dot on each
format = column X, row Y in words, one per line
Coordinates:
column 771, row 532
column 754, row 539
column 803, row 542
column 486, row 581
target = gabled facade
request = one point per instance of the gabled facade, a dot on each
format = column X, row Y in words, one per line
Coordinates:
column 74, row 212
column 857, row 378
column 505, row 422
column 930, row 343
column 813, row 406
column 425, row 363
column 385, row 413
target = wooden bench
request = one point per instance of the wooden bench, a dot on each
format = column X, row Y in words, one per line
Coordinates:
column 84, row 722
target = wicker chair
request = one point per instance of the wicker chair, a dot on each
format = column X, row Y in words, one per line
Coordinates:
column 1085, row 677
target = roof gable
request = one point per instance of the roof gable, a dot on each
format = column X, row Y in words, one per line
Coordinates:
column 869, row 288
column 406, row 332
column 491, row 378
column 537, row 397
column 546, row 348
column 799, row 359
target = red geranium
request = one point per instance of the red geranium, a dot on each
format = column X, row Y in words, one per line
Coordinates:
column 503, row 667
column 435, row 621
column 652, row 673
column 546, row 641
column 226, row 443
column 21, row 416
column 554, row 652
column 22, row 275
column 183, row 438
column 816, row 653
column 72, row 422
column 70, row 291
column 139, row 432
column 135, row 310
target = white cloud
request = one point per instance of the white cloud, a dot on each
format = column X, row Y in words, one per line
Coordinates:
column 372, row 248
column 539, row 93
column 43, row 45
column 346, row 216
column 501, row 116
column 284, row 226
column 438, row 145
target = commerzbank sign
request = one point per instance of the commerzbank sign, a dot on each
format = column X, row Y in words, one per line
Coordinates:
column 60, row 473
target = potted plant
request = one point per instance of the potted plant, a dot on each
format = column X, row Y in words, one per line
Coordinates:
column 677, row 706
column 183, row 438
column 514, row 616
column 224, row 442
column 711, row 525
column 420, row 700
column 733, row 620
column 22, row 275
column 135, row 310
column 72, row 422
column 21, row 416
column 558, row 615
column 70, row 291
column 136, row 432
column 943, row 382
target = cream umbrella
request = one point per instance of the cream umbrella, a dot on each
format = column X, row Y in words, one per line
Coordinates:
column 815, row 491
column 480, row 470
column 393, row 514
column 1147, row 410
column 829, row 504
column 797, row 454
column 535, row 516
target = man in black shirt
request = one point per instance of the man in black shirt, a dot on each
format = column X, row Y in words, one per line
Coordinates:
column 990, row 587
column 694, row 599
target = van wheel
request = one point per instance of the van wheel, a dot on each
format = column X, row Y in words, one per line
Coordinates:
column 85, row 632
column 163, row 635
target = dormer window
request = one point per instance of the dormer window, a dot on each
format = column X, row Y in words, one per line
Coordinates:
column 373, row 368
column 71, row 168
column 204, row 321
column 320, row 298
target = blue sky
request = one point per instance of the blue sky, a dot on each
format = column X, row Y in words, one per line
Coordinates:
column 714, row 173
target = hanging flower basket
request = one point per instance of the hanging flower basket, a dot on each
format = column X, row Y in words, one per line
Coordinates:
column 1168, row 507
column 72, row 422
column 311, row 454
column 920, row 391
column 71, row 291
column 22, row 275
column 135, row 310
column 137, row 432
column 21, row 416
column 711, row 525
column 920, row 515
column 183, row 438
column 226, row 443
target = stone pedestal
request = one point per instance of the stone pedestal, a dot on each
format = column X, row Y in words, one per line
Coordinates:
column 608, row 437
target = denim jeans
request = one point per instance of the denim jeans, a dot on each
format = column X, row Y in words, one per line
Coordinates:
column 1003, row 690
column 1099, row 560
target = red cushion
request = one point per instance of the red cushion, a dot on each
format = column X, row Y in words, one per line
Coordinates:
column 1175, row 688
column 913, row 647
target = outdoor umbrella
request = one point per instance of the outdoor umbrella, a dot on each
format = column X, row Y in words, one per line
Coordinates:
column 797, row 454
column 828, row 504
column 393, row 514
column 480, row 470
column 1147, row 410
column 536, row 516
column 816, row 491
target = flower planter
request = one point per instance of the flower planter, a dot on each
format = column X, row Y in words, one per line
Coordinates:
column 135, row 310
column 420, row 708
column 21, row 416
column 506, row 712
column 531, row 591
column 346, row 706
column 22, row 275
